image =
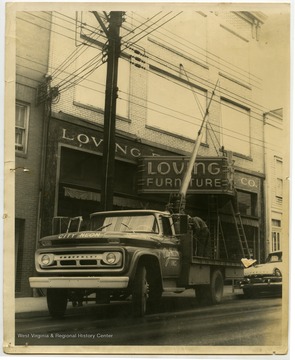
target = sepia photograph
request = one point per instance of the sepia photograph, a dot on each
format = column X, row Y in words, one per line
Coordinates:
column 147, row 178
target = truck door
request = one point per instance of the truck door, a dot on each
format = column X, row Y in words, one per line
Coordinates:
column 170, row 257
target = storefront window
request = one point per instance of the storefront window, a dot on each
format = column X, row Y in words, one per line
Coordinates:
column 247, row 203
column 81, row 178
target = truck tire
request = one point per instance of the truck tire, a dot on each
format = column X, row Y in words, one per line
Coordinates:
column 140, row 292
column 216, row 287
column 57, row 300
column 211, row 294
column 155, row 291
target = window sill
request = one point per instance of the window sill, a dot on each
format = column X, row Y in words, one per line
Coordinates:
column 99, row 110
column 165, row 132
column 21, row 154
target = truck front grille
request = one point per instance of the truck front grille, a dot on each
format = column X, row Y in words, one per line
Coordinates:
column 63, row 260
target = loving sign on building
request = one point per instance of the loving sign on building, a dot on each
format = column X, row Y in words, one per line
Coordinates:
column 164, row 174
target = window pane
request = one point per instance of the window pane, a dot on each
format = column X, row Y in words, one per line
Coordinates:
column 172, row 107
column 21, row 119
column 90, row 89
column 279, row 188
column 247, row 203
column 20, row 115
column 19, row 139
column 276, row 222
column 235, row 125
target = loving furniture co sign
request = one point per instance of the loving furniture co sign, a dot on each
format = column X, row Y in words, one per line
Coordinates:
column 164, row 174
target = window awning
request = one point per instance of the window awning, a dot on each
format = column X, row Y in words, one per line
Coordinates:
column 245, row 221
column 94, row 196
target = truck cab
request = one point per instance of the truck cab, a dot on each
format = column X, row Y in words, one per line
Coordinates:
column 121, row 253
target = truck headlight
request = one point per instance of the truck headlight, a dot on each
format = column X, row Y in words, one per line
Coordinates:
column 45, row 259
column 111, row 258
column 277, row 272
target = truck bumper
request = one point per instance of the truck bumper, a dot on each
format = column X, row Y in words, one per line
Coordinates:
column 80, row 282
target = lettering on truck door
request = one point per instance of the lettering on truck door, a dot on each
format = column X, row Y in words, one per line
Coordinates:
column 170, row 257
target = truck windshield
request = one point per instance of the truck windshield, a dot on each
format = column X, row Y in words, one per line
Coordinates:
column 133, row 223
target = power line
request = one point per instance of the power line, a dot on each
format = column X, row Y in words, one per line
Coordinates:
column 204, row 50
column 190, row 73
column 181, row 84
column 95, row 66
column 153, row 30
column 141, row 24
column 144, row 30
column 94, row 69
column 181, row 119
column 206, row 83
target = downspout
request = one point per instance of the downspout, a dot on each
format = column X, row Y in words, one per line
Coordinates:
column 265, row 193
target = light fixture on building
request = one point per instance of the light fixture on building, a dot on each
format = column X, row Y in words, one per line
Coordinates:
column 24, row 169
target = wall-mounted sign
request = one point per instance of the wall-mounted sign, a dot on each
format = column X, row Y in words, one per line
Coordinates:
column 164, row 174
column 88, row 139
column 247, row 182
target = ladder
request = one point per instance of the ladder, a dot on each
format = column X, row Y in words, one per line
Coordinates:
column 215, row 228
column 240, row 232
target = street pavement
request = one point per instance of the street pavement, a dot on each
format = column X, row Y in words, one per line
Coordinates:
column 37, row 306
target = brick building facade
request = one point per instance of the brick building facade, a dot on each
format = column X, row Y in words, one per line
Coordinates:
column 166, row 80
column 32, row 32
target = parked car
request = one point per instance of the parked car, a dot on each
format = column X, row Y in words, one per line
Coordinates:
column 264, row 278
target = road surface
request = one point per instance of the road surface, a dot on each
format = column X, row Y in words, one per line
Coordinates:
column 179, row 320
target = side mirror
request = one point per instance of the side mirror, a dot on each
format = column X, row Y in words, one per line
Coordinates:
column 181, row 223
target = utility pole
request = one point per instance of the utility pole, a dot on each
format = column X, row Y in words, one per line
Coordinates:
column 113, row 52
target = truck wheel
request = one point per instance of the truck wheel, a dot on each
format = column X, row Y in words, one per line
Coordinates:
column 57, row 302
column 155, row 291
column 211, row 294
column 140, row 292
column 216, row 287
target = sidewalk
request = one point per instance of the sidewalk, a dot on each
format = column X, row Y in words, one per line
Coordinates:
column 37, row 306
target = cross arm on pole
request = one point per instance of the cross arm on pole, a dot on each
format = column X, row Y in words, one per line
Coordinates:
column 101, row 23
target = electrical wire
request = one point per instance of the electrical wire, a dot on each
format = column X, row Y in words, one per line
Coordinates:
column 265, row 145
column 148, row 33
column 173, row 65
column 144, row 30
column 181, row 84
column 78, row 52
column 140, row 25
column 33, row 23
column 206, row 52
column 80, row 79
column 65, row 85
column 206, row 83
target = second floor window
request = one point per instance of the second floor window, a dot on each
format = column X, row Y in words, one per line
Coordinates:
column 91, row 83
column 235, row 126
column 172, row 106
column 21, row 127
column 279, row 177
